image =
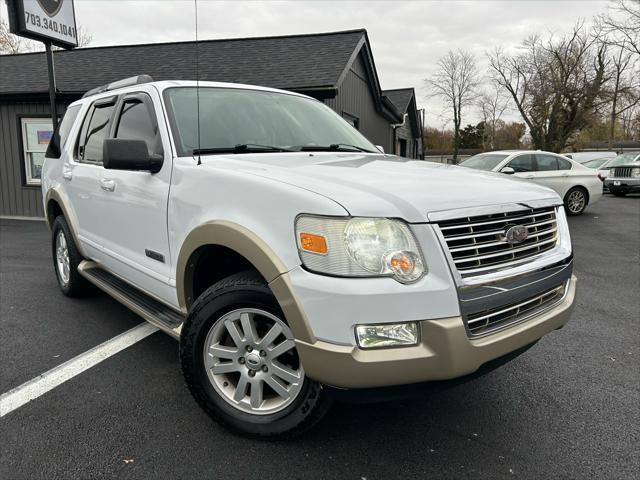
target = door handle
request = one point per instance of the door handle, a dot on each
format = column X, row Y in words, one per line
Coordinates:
column 67, row 174
column 108, row 185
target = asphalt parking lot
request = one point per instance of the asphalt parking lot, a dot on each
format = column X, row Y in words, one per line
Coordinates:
column 567, row 408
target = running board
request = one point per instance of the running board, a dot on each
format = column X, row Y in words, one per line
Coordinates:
column 153, row 311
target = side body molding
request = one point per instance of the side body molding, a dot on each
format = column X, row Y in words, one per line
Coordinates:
column 257, row 252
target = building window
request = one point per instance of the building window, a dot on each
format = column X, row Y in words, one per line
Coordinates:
column 353, row 121
column 36, row 134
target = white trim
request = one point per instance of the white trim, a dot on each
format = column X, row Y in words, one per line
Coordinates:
column 26, row 151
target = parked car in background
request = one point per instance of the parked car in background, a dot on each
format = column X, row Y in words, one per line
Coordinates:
column 584, row 157
column 596, row 163
column 576, row 184
column 624, row 174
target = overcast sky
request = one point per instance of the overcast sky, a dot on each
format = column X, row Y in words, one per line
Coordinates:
column 407, row 37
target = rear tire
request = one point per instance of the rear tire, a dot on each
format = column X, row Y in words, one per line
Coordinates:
column 66, row 259
column 576, row 200
column 240, row 364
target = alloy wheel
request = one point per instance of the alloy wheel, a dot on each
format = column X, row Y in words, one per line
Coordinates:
column 62, row 258
column 251, row 361
column 576, row 201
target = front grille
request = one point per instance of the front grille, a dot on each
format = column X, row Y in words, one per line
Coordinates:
column 622, row 172
column 478, row 244
column 482, row 322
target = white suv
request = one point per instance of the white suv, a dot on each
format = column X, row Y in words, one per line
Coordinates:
column 288, row 255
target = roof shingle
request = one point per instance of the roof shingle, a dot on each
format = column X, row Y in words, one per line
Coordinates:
column 288, row 62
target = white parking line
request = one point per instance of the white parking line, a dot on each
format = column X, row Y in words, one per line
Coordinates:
column 56, row 376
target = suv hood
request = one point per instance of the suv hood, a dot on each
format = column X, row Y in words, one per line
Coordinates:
column 386, row 185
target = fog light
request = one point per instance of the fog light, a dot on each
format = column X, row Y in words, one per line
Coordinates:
column 387, row 335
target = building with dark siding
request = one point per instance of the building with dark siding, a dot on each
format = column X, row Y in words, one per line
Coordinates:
column 336, row 68
column 406, row 138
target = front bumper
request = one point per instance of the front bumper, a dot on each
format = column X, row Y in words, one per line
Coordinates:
column 445, row 351
column 624, row 184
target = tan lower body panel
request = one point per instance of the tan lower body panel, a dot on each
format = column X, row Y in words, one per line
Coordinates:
column 445, row 352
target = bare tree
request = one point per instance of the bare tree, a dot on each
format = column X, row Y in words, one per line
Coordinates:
column 556, row 85
column 621, row 25
column 623, row 87
column 12, row 44
column 492, row 105
column 455, row 82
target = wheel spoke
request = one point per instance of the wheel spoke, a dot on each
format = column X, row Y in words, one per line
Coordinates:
column 282, row 348
column 271, row 335
column 285, row 373
column 249, row 327
column 277, row 387
column 241, row 389
column 256, row 393
column 234, row 332
column 222, row 351
column 220, row 368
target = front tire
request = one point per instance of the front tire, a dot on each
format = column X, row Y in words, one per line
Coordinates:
column 66, row 259
column 239, row 361
column 576, row 200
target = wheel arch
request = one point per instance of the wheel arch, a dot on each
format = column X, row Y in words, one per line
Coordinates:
column 55, row 204
column 221, row 239
column 581, row 187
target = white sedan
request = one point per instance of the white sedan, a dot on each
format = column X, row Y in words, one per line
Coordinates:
column 576, row 184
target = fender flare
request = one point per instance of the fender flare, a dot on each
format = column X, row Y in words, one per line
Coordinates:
column 246, row 243
column 60, row 198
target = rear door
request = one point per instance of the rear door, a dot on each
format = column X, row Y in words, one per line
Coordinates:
column 82, row 174
column 134, row 226
column 552, row 171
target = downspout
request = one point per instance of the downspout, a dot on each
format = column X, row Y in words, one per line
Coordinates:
column 395, row 126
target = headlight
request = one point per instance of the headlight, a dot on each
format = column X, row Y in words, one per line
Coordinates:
column 359, row 247
column 635, row 172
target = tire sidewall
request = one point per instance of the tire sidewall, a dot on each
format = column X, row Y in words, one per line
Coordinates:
column 211, row 308
column 60, row 225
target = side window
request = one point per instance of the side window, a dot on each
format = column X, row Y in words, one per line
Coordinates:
column 546, row 162
column 522, row 163
column 94, row 130
column 60, row 135
column 564, row 164
column 135, row 122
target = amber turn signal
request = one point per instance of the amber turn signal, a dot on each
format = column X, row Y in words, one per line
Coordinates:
column 313, row 243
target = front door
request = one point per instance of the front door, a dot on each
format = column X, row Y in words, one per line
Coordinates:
column 134, row 227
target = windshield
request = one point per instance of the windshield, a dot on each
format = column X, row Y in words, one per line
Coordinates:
column 596, row 163
column 484, row 161
column 268, row 120
column 625, row 158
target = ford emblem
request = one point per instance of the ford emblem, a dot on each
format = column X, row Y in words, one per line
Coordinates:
column 515, row 234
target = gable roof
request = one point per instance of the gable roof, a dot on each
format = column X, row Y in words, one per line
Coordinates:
column 309, row 62
column 400, row 97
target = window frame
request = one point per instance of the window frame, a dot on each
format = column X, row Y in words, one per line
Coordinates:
column 88, row 116
column 534, row 162
column 351, row 119
column 147, row 101
column 24, row 120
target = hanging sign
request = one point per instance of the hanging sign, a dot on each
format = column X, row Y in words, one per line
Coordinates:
column 45, row 20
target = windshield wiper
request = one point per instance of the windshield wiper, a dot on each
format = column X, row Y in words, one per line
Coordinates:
column 345, row 147
column 240, row 148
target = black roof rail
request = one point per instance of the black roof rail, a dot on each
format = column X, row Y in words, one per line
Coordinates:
column 125, row 82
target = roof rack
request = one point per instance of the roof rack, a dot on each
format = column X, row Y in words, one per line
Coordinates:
column 125, row 82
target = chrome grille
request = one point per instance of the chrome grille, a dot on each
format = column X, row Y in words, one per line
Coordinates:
column 487, row 321
column 622, row 172
column 478, row 245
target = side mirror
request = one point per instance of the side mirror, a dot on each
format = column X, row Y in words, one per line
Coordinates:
column 123, row 154
column 381, row 148
column 508, row 170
